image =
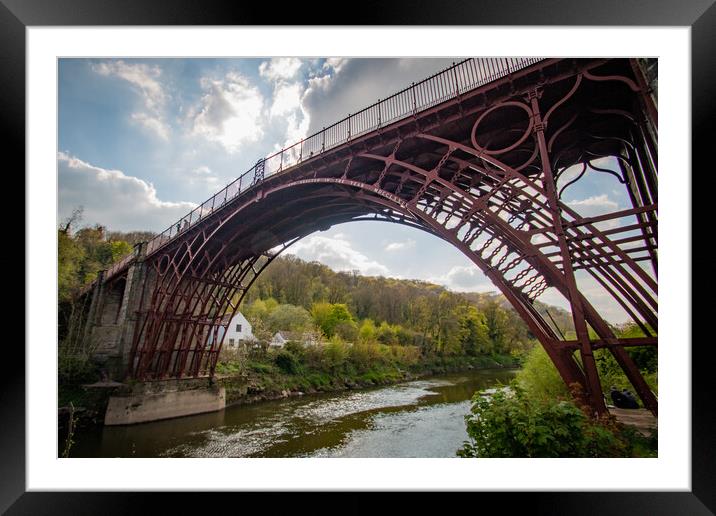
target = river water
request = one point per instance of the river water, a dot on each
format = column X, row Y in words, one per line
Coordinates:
column 421, row 418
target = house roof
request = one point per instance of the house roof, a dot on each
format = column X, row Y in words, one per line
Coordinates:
column 294, row 335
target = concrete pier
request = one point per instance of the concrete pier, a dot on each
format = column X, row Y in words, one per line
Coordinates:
column 164, row 399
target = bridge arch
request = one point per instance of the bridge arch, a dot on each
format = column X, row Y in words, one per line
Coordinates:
column 479, row 171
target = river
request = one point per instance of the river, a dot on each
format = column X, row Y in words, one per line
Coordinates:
column 420, row 418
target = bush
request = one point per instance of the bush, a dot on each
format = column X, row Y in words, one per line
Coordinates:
column 287, row 362
column 295, row 348
column 75, row 370
column 539, row 377
column 509, row 424
column 334, row 354
column 261, row 367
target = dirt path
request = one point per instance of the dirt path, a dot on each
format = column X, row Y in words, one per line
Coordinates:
column 643, row 420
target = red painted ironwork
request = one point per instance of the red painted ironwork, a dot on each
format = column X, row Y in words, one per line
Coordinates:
column 469, row 155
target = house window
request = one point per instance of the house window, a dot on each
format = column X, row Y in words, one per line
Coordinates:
column 231, row 342
column 238, row 328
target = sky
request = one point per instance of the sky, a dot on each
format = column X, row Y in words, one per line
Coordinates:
column 143, row 141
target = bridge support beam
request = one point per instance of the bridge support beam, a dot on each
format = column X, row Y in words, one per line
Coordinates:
column 110, row 325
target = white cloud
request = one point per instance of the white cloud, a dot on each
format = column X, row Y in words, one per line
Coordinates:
column 338, row 254
column 595, row 206
column 203, row 169
column 280, row 68
column 597, row 202
column 203, row 176
column 286, row 98
column 347, row 85
column 231, row 112
column 152, row 123
column 400, row 246
column 466, row 279
column 112, row 198
column 145, row 79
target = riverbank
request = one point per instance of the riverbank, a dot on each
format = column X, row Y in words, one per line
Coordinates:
column 264, row 381
column 254, row 381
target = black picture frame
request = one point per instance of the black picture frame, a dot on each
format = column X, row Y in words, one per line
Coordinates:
column 700, row 15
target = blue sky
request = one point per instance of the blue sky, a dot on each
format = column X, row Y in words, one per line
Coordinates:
column 142, row 141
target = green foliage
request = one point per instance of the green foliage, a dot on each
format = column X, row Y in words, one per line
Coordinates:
column 70, row 255
column 329, row 315
column 288, row 317
column 260, row 367
column 347, row 330
column 539, row 377
column 75, row 369
column 367, row 331
column 611, row 374
column 334, row 353
column 80, row 257
column 295, row 348
column 496, row 320
column 287, row 362
column 473, row 333
column 507, row 423
column 119, row 249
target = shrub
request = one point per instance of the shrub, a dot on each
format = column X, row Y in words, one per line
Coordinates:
column 334, row 354
column 261, row 367
column 295, row 348
column 75, row 369
column 287, row 362
column 539, row 377
column 507, row 423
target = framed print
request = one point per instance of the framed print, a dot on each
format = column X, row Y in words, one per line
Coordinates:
column 161, row 76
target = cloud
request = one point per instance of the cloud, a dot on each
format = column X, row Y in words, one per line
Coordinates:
column 286, row 98
column 280, row 68
column 338, row 254
column 145, row 80
column 230, row 112
column 203, row 176
column 466, row 279
column 595, row 202
column 595, row 206
column 112, row 198
column 345, row 86
column 153, row 123
column 400, row 246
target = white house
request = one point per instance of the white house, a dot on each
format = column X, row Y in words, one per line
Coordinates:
column 239, row 330
column 280, row 338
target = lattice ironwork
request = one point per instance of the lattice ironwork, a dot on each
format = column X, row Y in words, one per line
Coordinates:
column 478, row 168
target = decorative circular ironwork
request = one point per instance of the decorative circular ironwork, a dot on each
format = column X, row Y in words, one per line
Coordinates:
column 163, row 264
column 522, row 138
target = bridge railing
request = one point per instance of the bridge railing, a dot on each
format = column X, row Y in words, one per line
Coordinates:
column 445, row 85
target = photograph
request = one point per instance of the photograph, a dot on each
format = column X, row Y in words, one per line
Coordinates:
column 225, row 289
column 415, row 256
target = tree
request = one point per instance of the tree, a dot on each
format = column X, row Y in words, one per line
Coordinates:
column 497, row 324
column 289, row 317
column 328, row 315
column 473, row 333
column 347, row 330
column 366, row 332
column 72, row 220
